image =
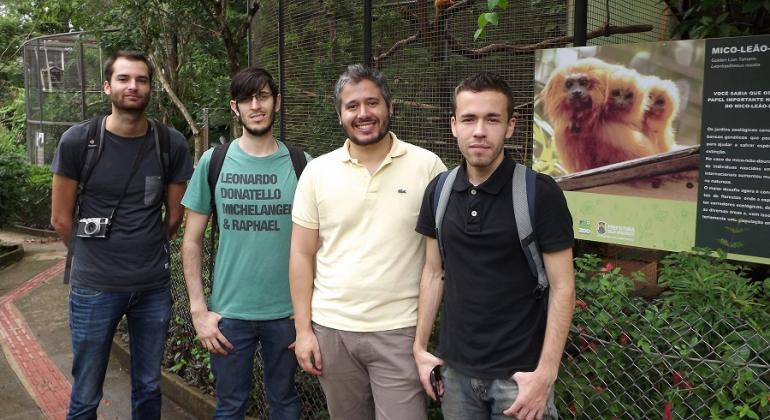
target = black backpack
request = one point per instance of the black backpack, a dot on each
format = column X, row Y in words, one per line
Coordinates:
column 298, row 161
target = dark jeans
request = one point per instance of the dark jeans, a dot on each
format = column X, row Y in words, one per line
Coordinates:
column 233, row 372
column 467, row 398
column 94, row 315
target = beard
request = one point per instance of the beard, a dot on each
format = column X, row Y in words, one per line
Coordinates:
column 136, row 108
column 380, row 135
column 257, row 132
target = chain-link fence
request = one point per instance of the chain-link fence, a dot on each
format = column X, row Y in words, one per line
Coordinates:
column 699, row 351
column 186, row 357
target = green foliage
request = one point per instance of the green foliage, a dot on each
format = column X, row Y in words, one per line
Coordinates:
column 490, row 17
column 186, row 356
column 34, row 209
column 544, row 149
column 702, row 348
column 21, row 20
column 12, row 115
column 26, row 192
column 14, row 172
column 720, row 18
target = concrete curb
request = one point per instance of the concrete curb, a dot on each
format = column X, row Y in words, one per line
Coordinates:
column 172, row 386
column 16, row 253
column 33, row 231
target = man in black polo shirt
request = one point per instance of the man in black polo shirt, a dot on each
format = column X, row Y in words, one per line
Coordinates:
column 500, row 347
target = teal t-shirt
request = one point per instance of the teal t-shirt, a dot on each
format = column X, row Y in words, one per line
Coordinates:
column 253, row 198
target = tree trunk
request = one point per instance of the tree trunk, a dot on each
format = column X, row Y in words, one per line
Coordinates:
column 182, row 109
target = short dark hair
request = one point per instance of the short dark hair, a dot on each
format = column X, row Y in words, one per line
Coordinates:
column 250, row 81
column 485, row 81
column 128, row 55
column 356, row 73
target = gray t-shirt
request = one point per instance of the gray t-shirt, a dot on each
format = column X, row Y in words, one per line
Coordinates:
column 135, row 256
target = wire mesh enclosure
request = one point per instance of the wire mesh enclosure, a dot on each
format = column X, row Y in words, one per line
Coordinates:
column 424, row 53
column 63, row 79
column 63, row 82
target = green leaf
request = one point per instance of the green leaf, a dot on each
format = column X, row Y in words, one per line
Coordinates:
column 479, row 34
column 746, row 411
column 482, row 21
column 739, row 357
column 491, row 17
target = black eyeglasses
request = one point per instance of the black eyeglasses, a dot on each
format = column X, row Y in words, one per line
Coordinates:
column 435, row 383
column 260, row 97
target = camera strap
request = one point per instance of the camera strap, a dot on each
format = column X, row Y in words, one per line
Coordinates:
column 134, row 168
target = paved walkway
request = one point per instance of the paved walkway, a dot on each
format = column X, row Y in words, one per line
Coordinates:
column 35, row 382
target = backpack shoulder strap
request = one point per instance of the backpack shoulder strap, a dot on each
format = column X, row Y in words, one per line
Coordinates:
column 298, row 159
column 162, row 148
column 523, row 185
column 93, row 150
column 215, row 168
column 440, row 200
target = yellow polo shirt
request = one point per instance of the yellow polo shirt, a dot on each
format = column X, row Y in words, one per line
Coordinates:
column 370, row 260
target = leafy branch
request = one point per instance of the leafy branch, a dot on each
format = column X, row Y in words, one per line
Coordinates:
column 605, row 30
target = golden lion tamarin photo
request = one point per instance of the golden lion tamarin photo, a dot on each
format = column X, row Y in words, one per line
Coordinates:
column 662, row 109
column 626, row 97
column 573, row 100
column 604, row 113
column 620, row 131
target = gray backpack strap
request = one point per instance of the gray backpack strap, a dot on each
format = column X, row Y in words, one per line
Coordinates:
column 521, row 210
column 441, row 203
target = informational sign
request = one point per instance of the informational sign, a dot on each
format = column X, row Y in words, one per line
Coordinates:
column 660, row 145
column 734, row 198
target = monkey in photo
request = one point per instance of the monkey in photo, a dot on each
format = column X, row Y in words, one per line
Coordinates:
column 626, row 97
column 662, row 108
column 573, row 100
column 620, row 132
column 441, row 5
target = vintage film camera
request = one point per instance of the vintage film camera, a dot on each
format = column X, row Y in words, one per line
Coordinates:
column 94, row 227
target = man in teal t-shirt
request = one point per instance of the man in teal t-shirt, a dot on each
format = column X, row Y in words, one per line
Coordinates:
column 250, row 301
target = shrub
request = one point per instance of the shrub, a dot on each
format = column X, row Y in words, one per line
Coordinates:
column 14, row 175
column 700, row 350
column 34, row 209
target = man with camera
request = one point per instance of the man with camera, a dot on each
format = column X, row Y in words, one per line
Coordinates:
column 112, row 178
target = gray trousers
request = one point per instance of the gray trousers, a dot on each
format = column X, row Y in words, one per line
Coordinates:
column 370, row 375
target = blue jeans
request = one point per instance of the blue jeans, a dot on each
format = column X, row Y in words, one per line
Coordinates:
column 94, row 315
column 467, row 398
column 233, row 372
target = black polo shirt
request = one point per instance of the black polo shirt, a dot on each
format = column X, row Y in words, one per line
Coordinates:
column 491, row 324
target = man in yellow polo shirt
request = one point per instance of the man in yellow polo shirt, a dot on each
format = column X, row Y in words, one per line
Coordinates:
column 355, row 259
